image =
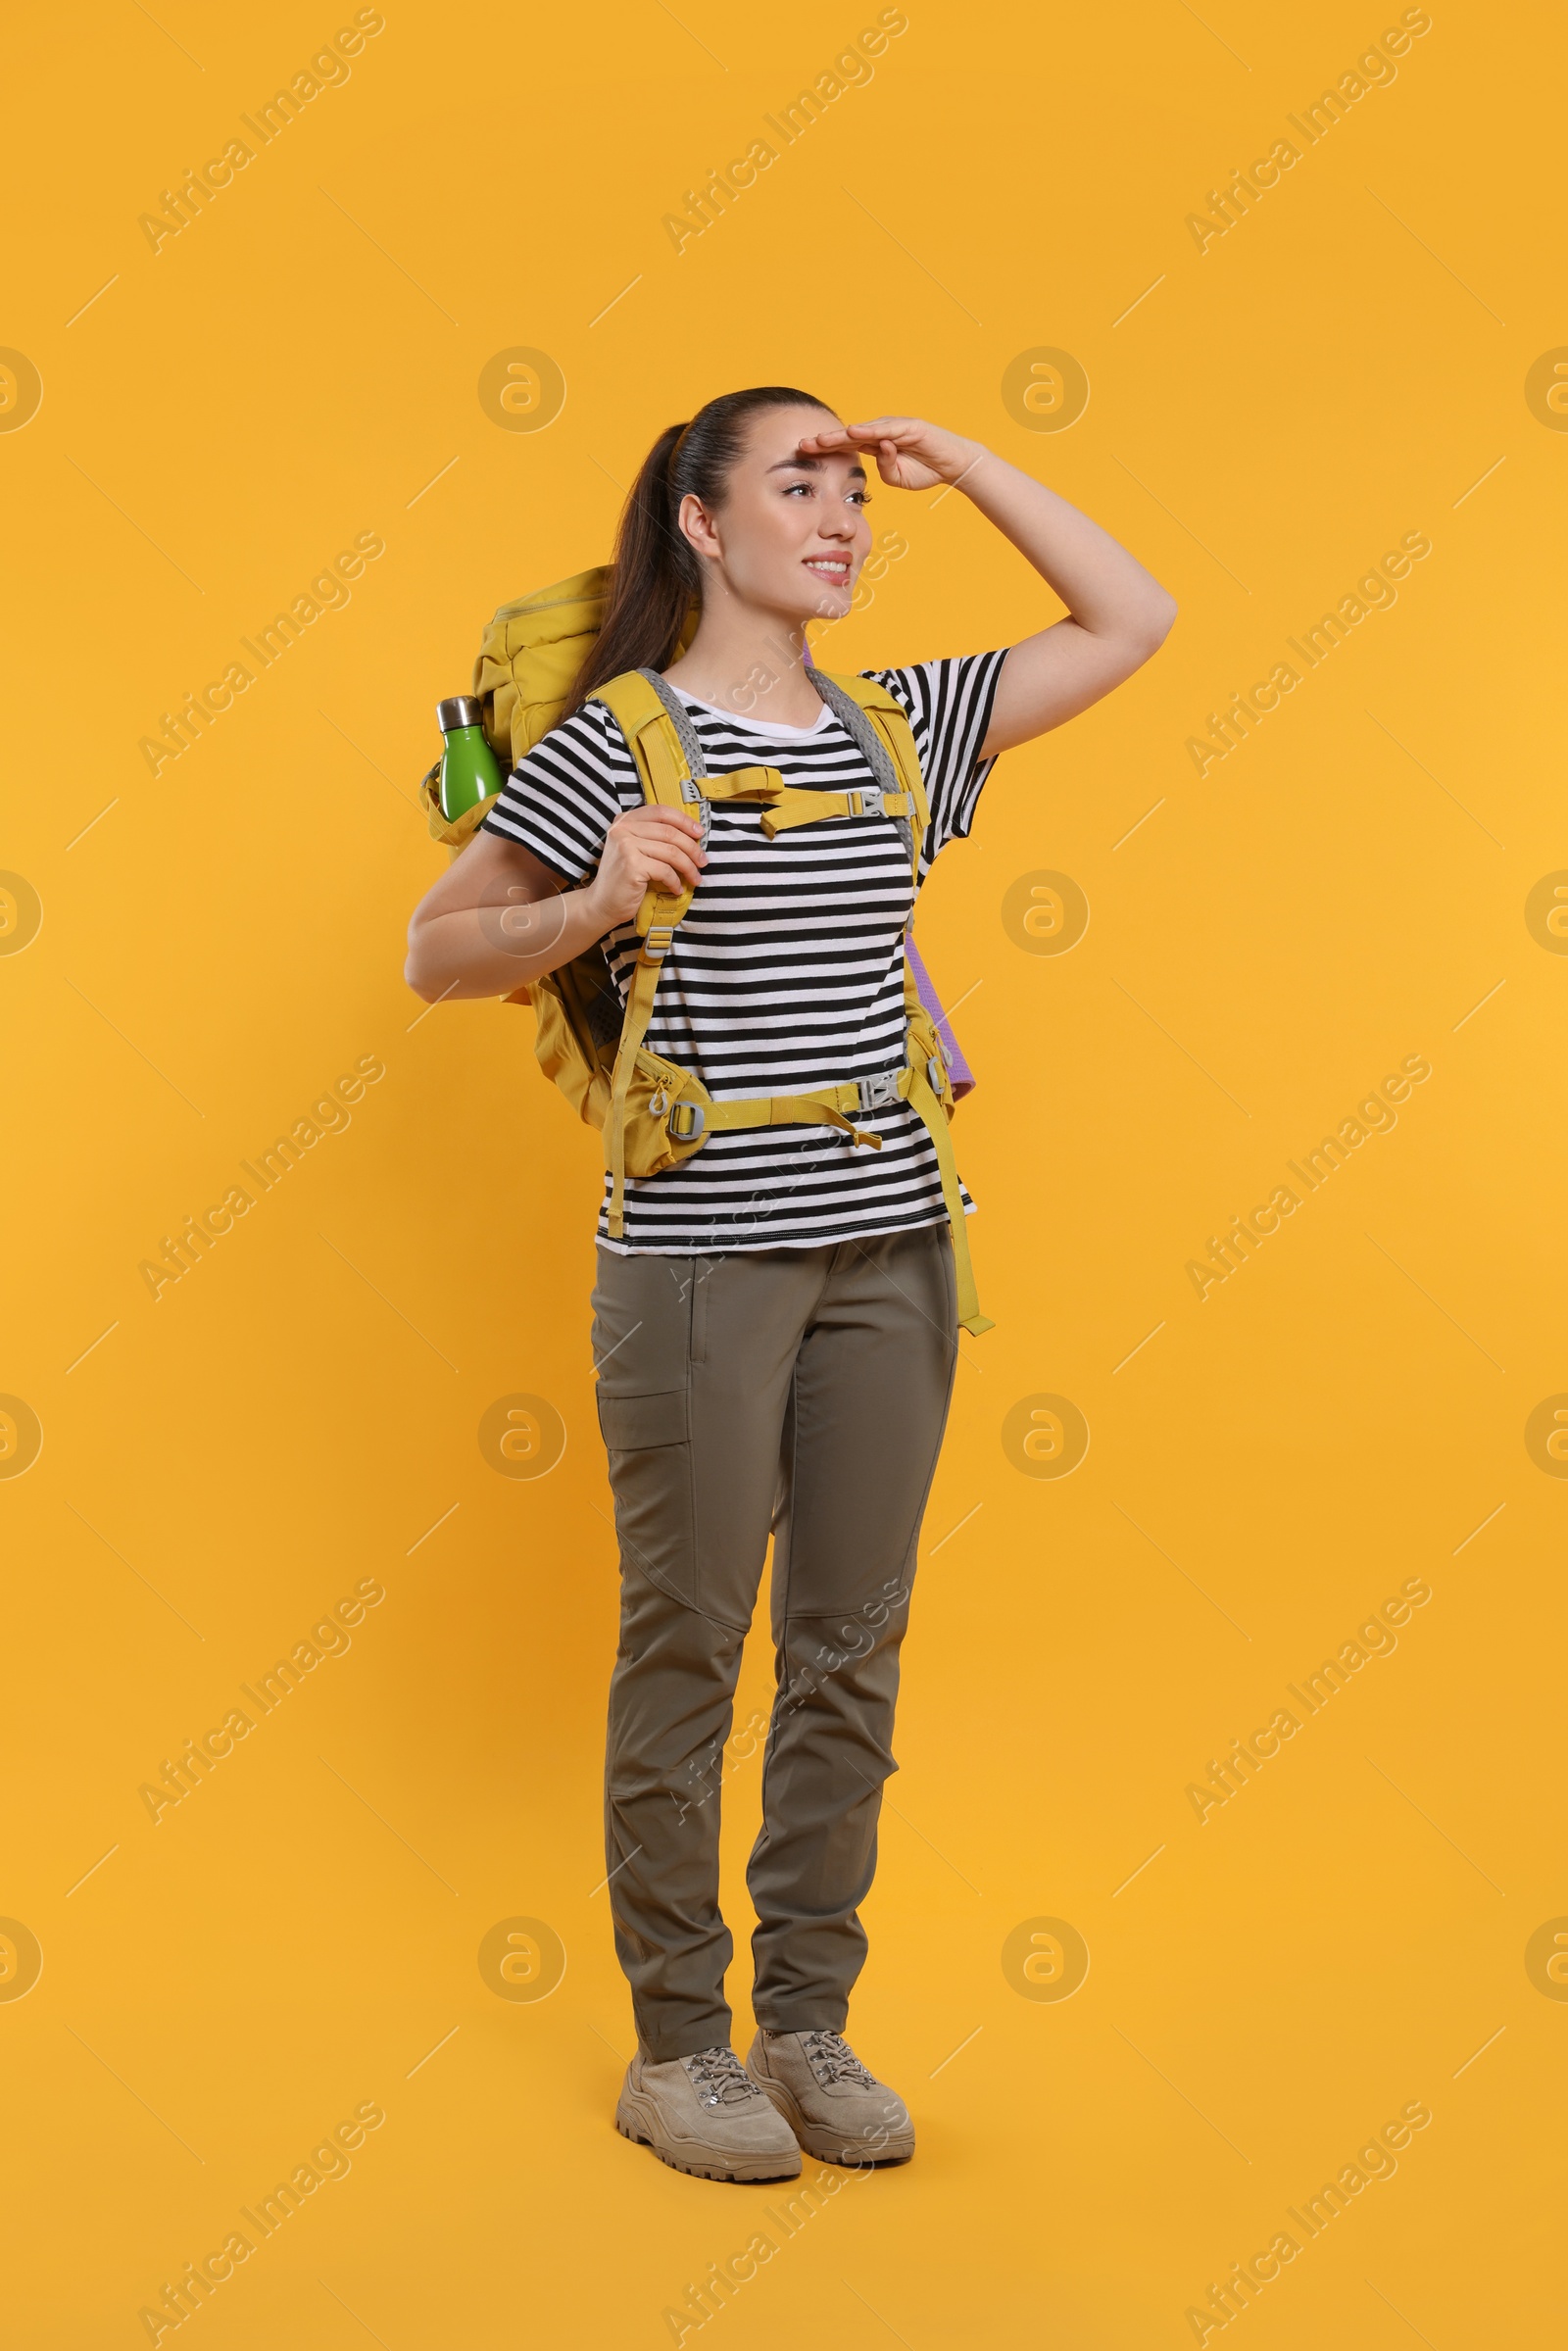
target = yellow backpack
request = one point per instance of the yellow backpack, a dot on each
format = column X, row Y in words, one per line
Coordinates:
column 653, row 1113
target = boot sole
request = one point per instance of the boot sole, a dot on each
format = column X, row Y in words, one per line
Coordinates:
column 831, row 2146
column 633, row 2121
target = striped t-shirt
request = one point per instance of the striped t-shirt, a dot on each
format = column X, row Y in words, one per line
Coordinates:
column 787, row 971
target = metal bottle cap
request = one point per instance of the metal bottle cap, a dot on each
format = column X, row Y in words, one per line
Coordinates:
column 463, row 710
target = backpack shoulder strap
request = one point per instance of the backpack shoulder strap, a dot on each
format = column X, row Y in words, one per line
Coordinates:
column 657, row 730
column 664, row 747
column 879, row 725
column 661, row 738
column 680, row 720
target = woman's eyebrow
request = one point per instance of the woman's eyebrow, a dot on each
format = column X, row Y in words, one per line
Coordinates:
column 814, row 465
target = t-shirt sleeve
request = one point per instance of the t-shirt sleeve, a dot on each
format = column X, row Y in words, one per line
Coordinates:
column 949, row 705
column 561, row 800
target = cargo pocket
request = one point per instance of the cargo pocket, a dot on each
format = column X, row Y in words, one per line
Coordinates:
column 648, row 1438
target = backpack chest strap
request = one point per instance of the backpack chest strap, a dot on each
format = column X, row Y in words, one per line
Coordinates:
column 784, row 805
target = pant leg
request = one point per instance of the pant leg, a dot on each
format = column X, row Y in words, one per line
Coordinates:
column 695, row 1357
column 868, row 1409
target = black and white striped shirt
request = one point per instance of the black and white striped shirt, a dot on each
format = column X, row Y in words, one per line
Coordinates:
column 787, row 971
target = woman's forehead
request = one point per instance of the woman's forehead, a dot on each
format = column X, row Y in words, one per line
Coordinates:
column 775, row 444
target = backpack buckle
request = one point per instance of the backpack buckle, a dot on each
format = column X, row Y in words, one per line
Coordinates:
column 686, row 1133
column 933, row 1074
column 695, row 797
column 879, row 1092
column 865, row 799
column 657, row 943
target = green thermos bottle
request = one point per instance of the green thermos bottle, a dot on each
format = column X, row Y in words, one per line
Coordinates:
column 468, row 771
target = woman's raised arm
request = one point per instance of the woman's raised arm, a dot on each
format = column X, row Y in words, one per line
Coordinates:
column 1117, row 614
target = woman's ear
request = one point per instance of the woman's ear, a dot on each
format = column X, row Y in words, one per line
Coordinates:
column 697, row 525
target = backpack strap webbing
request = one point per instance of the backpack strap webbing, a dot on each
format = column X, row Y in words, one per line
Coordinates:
column 879, row 726
column 639, row 708
column 670, row 768
column 924, row 1098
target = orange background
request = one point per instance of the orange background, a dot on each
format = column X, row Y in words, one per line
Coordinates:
column 299, row 1415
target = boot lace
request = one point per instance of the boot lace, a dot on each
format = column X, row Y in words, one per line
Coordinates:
column 831, row 2060
column 719, row 2077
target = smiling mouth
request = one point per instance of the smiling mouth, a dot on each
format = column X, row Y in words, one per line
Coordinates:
column 832, row 567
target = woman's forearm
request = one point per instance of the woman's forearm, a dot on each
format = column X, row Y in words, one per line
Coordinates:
column 490, row 949
column 1117, row 613
column 1106, row 589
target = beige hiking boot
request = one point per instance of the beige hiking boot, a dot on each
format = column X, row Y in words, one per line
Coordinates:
column 705, row 2115
column 838, row 2109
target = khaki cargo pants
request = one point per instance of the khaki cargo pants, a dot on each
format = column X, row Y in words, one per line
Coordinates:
column 804, row 1391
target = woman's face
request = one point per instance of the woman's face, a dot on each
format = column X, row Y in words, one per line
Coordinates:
column 792, row 532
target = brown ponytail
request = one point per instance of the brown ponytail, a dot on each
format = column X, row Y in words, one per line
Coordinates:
column 656, row 575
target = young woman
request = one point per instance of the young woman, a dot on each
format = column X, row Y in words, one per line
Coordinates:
column 775, row 1330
